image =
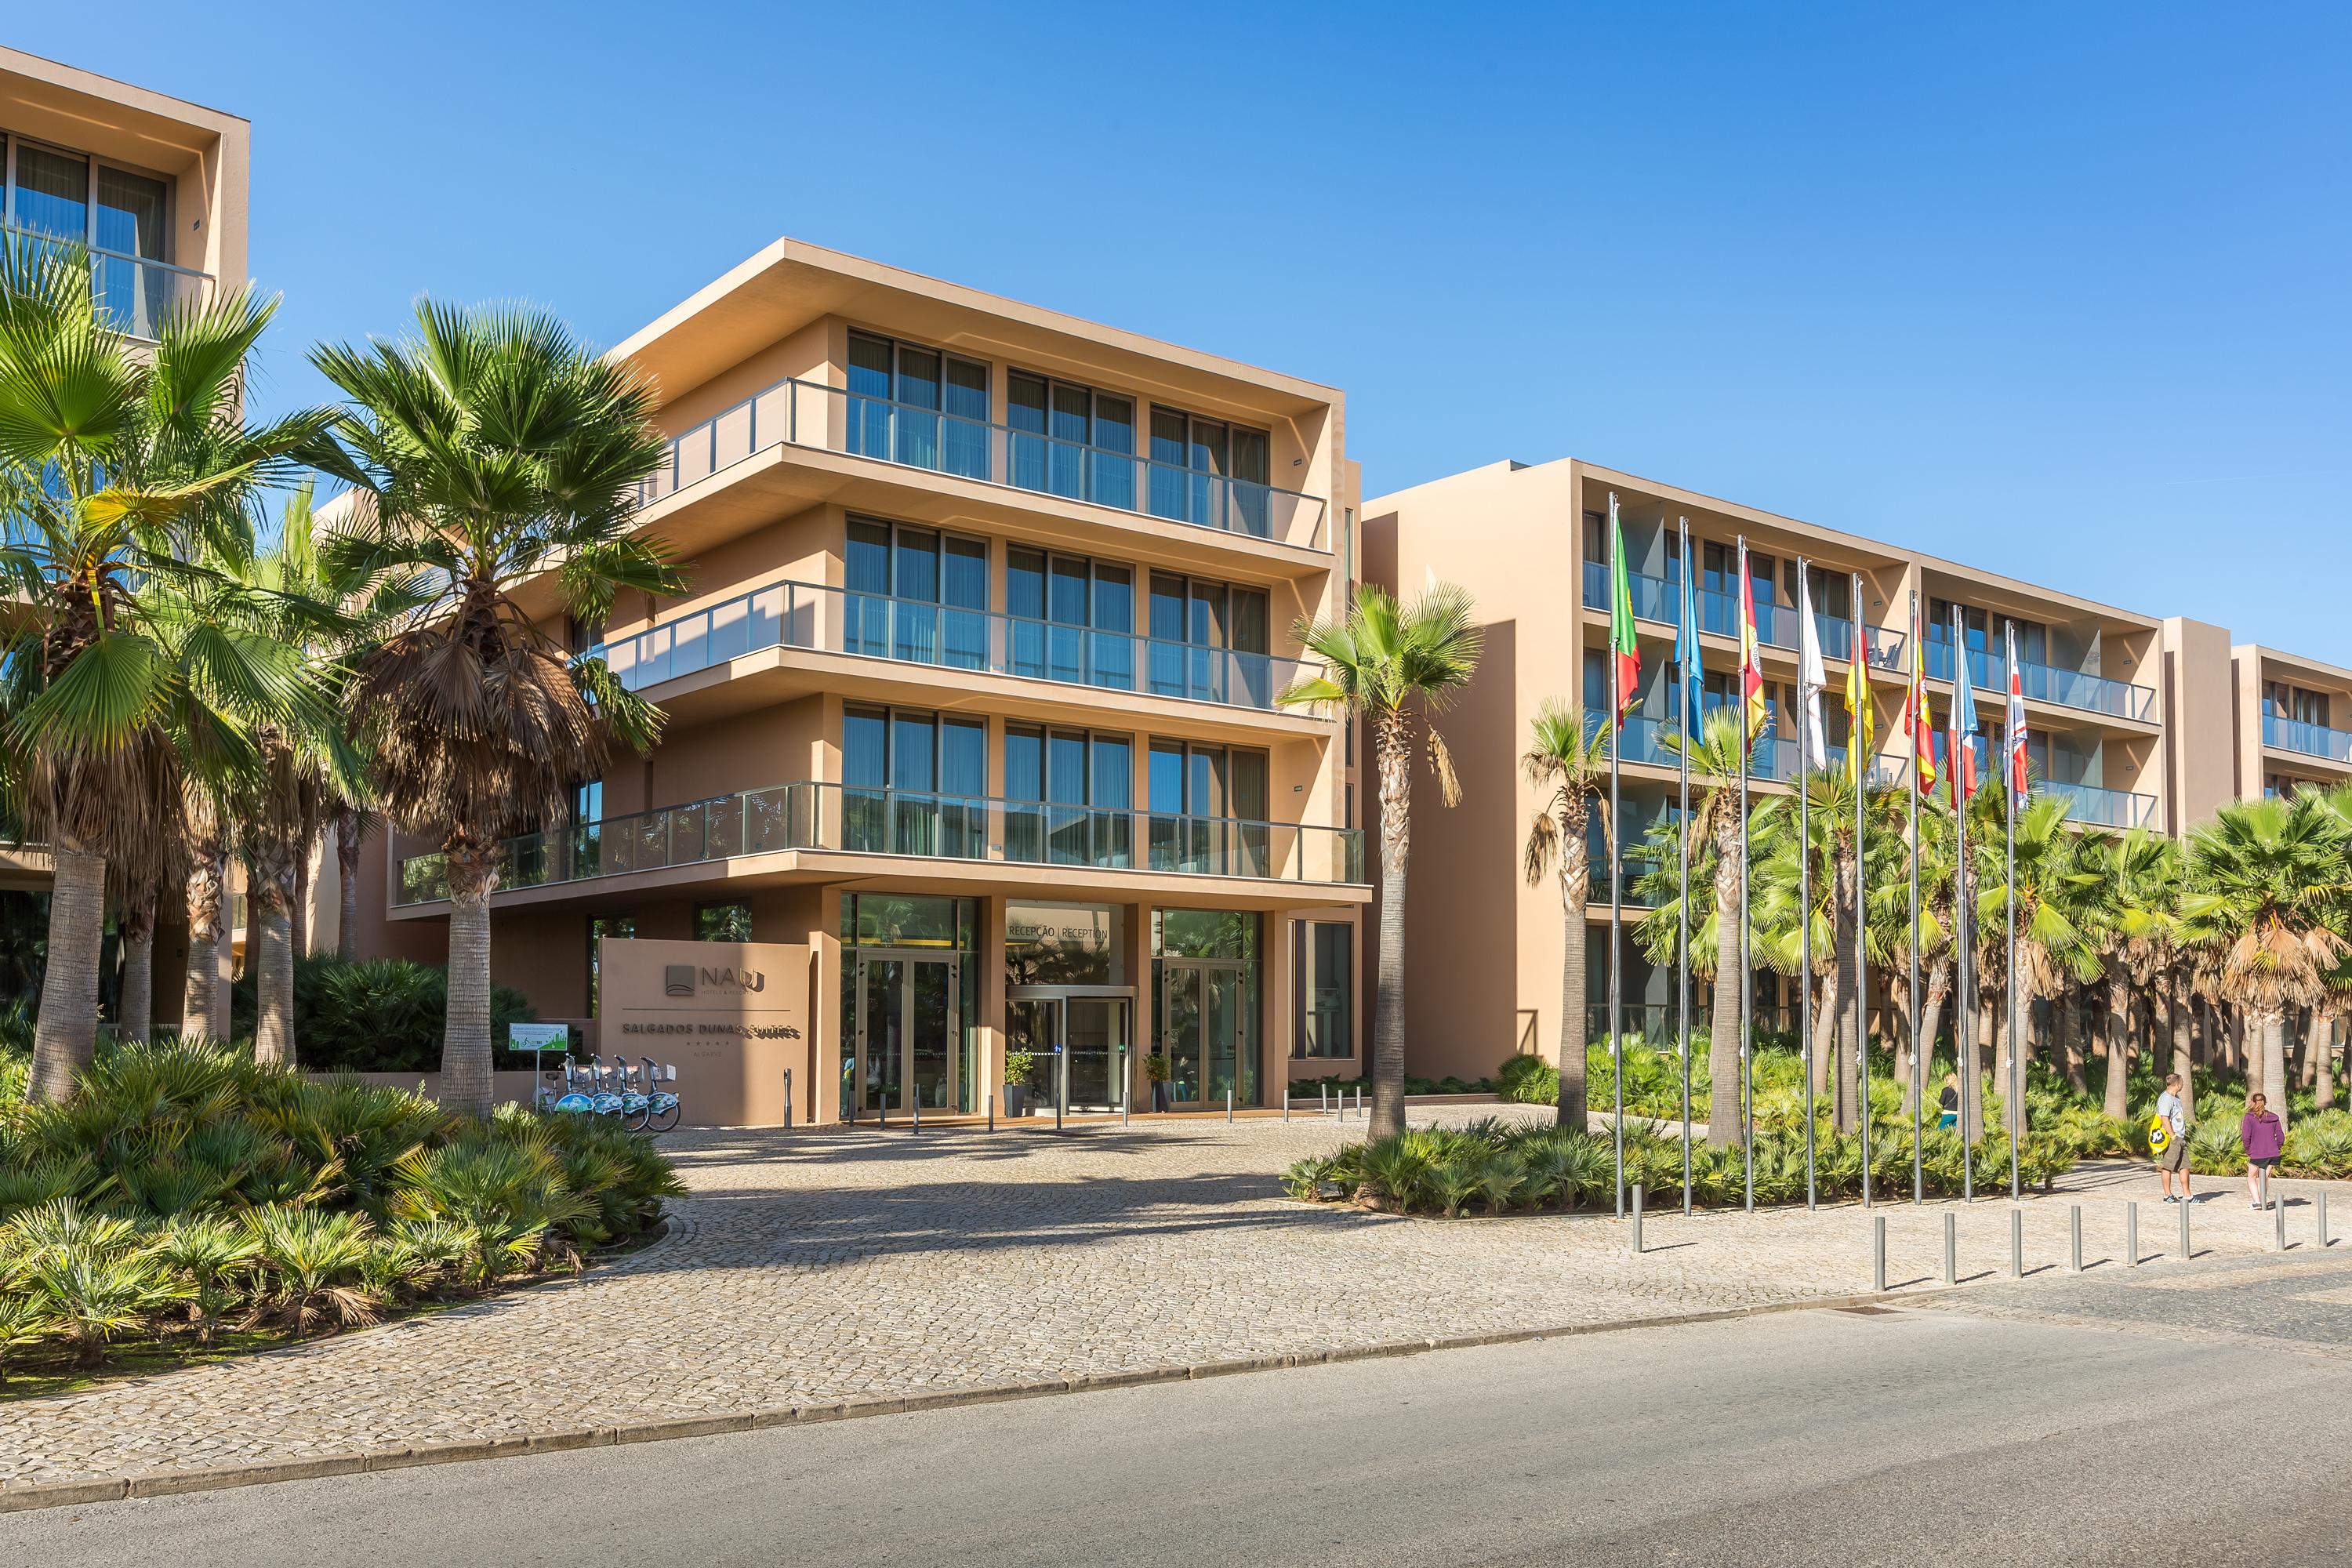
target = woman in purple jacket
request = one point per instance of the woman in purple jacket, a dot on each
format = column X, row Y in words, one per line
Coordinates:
column 2263, row 1138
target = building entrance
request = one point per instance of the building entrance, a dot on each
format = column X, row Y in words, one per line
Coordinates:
column 1201, row 1010
column 910, row 1022
column 1094, row 1025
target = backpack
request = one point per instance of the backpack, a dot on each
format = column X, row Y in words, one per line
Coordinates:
column 2160, row 1133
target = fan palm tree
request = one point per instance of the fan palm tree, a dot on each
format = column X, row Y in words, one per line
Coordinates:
column 1567, row 759
column 2133, row 887
column 112, row 464
column 1713, row 827
column 2055, row 915
column 1398, row 665
column 1936, row 849
column 489, row 447
column 2267, row 886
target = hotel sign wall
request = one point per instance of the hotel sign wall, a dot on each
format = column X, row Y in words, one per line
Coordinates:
column 732, row 1014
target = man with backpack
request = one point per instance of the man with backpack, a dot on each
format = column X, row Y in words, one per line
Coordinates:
column 2168, row 1139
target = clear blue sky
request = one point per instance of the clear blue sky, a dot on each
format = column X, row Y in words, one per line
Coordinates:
column 2058, row 290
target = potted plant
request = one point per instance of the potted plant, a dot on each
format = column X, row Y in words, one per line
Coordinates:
column 1155, row 1067
column 1020, row 1067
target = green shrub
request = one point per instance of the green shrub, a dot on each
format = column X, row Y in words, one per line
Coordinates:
column 1529, row 1081
column 377, row 1015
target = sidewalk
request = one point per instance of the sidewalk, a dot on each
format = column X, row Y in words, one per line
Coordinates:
column 815, row 1271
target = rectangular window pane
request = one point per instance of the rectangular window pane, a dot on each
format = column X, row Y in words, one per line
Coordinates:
column 916, row 565
column 868, row 413
column 866, row 575
column 1114, row 618
column 912, row 766
column 1069, row 426
column 1066, row 768
column 52, row 194
column 1111, row 478
column 1112, row 787
column 864, row 747
column 1167, row 780
column 918, row 377
column 1066, row 653
column 963, row 757
column 915, row 416
column 966, row 433
column 1168, row 463
column 1025, row 764
column 963, row 586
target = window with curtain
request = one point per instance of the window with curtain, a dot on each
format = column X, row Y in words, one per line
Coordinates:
column 1070, row 618
column 1322, row 957
column 918, row 406
column 913, row 593
column 914, row 783
column 1070, row 440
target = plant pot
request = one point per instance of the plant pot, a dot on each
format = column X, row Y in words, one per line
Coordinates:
column 1016, row 1100
column 1159, row 1100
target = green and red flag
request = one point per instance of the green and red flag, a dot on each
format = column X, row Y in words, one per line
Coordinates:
column 1624, row 646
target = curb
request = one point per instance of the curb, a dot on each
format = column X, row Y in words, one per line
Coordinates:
column 28, row 1497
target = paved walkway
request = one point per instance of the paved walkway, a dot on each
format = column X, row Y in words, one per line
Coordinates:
column 820, row 1268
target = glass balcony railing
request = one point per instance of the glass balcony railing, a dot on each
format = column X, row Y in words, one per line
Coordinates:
column 2043, row 683
column 830, row 817
column 1660, row 599
column 812, row 413
column 2101, row 808
column 2310, row 740
column 832, row 620
column 1773, row 758
column 133, row 293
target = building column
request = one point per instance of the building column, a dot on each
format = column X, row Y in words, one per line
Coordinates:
column 1136, row 962
column 989, row 1058
column 1278, row 1009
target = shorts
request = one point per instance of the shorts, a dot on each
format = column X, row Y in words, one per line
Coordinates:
column 2265, row 1162
column 2175, row 1156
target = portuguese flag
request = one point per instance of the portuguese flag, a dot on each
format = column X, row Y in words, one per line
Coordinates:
column 1624, row 646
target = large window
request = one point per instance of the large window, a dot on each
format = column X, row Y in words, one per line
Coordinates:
column 1070, row 618
column 2282, row 699
column 913, row 593
column 1209, row 641
column 1070, row 440
column 1207, row 471
column 1987, row 631
column 1208, row 806
column 123, row 217
column 1323, row 961
column 918, row 406
column 913, row 783
column 1069, row 798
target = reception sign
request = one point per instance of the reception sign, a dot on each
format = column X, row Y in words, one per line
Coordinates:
column 732, row 1014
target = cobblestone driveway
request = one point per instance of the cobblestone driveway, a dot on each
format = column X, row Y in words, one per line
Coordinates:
column 821, row 1267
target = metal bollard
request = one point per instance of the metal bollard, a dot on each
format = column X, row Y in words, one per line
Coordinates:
column 2278, row 1212
column 2323, row 1219
column 1952, row 1248
column 1229, row 1102
column 1322, row 1100
column 2017, row 1243
column 882, row 1113
column 1061, row 1084
column 2185, row 1253
column 788, row 1099
column 1285, row 1102
column 918, row 1110
column 2131, row 1235
column 991, row 1110
column 2074, row 1242
column 1637, row 1219
column 1126, row 1086
column 1878, row 1254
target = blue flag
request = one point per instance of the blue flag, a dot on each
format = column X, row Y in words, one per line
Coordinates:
column 1686, row 652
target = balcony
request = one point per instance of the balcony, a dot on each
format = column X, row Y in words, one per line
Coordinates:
column 831, row 418
column 856, row 821
column 1771, row 759
column 1660, row 599
column 2307, row 739
column 823, row 619
column 2044, row 683
column 133, row 293
column 2101, row 808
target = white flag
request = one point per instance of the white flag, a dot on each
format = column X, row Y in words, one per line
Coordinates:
column 1812, row 676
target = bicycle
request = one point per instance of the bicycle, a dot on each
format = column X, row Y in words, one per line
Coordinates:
column 662, row 1106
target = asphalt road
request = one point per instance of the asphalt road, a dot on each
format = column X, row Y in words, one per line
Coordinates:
column 2189, row 1427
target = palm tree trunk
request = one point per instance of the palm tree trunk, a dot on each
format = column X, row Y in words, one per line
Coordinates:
column 2323, row 1053
column 349, row 826
column 2268, row 1033
column 1824, row 1041
column 1848, row 1009
column 1931, row 1018
column 466, row 1038
column 2116, row 1102
column 1723, row 1113
column 270, row 931
column 65, row 1038
column 1575, row 883
column 2183, row 1027
column 196, row 1002
column 137, row 1004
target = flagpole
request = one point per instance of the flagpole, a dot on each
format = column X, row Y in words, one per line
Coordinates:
column 1616, row 871
column 1858, row 752
column 1964, row 1035
column 1746, row 952
column 1806, row 640
column 2008, row 788
column 1687, row 623
column 1918, row 730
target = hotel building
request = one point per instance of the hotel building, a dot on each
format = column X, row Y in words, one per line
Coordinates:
column 974, row 691
column 2138, row 721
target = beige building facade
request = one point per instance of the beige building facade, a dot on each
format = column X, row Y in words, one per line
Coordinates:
column 2138, row 721
column 973, row 694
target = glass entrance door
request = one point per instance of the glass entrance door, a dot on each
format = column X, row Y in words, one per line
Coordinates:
column 1095, row 1029
column 908, row 1024
column 1202, row 1012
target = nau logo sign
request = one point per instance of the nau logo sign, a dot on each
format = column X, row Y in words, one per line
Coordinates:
column 685, row 979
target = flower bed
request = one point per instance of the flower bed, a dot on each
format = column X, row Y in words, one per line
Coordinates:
column 187, row 1200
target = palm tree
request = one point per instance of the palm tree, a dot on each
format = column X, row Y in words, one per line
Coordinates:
column 1569, row 758
column 1398, row 667
column 2133, row 894
column 1715, row 823
column 490, row 447
column 1937, row 849
column 2267, row 886
column 2054, row 918
column 112, row 462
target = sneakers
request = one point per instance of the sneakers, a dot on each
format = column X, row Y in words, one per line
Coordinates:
column 2170, row 1199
